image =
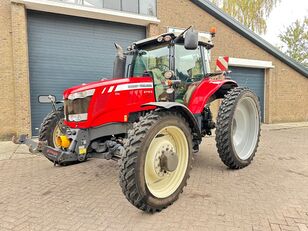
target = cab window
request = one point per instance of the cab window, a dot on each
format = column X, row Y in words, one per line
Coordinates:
column 154, row 61
column 188, row 64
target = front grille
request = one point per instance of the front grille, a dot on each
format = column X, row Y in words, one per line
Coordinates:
column 76, row 106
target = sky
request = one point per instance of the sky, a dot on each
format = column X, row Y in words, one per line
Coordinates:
column 285, row 12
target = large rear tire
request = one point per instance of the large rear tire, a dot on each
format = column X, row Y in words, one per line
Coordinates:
column 156, row 165
column 238, row 128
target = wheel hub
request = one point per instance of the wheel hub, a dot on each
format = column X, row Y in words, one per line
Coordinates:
column 169, row 161
column 166, row 160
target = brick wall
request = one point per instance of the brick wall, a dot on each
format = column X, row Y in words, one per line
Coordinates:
column 14, row 78
column 21, row 69
column 7, row 115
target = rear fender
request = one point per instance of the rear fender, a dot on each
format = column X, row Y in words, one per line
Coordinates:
column 180, row 108
column 207, row 91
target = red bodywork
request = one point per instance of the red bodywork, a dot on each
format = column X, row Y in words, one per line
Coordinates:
column 203, row 92
column 109, row 105
column 113, row 100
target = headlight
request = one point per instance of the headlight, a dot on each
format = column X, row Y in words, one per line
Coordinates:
column 78, row 117
column 82, row 94
column 77, row 104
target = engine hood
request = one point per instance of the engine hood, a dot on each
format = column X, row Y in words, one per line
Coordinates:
column 96, row 85
column 112, row 101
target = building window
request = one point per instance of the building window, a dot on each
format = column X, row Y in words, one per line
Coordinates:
column 92, row 3
column 148, row 7
column 143, row 7
column 131, row 6
column 112, row 4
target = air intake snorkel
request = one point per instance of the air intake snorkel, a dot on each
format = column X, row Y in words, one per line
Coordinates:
column 119, row 63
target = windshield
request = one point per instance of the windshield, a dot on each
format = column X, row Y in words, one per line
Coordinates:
column 152, row 61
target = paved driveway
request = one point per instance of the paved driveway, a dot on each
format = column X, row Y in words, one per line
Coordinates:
column 270, row 194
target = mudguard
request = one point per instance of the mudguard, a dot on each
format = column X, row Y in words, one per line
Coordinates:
column 183, row 110
column 207, row 91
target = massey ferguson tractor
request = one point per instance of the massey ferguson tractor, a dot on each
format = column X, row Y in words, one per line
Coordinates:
column 152, row 116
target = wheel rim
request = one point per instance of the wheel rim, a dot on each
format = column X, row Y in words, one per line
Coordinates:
column 56, row 133
column 245, row 128
column 164, row 183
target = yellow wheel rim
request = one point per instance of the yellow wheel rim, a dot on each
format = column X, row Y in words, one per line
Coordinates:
column 55, row 135
column 159, row 182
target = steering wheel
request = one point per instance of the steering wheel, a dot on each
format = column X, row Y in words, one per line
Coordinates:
column 183, row 77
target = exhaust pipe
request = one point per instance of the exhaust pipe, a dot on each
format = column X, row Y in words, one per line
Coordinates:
column 119, row 64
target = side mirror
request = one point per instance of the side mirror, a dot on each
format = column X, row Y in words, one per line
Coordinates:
column 46, row 98
column 191, row 40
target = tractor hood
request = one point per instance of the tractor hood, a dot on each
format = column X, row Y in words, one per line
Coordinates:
column 106, row 101
column 95, row 85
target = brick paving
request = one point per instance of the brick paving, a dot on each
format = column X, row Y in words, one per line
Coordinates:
column 270, row 194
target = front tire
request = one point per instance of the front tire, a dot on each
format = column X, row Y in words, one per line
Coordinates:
column 50, row 127
column 238, row 128
column 148, row 180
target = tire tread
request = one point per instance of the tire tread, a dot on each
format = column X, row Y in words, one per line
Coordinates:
column 224, row 119
column 129, row 161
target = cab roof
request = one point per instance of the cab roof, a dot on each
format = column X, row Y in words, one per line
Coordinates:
column 204, row 39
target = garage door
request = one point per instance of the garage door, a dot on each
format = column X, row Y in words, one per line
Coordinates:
column 65, row 51
column 252, row 78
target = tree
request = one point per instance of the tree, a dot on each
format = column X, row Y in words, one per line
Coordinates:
column 251, row 13
column 295, row 41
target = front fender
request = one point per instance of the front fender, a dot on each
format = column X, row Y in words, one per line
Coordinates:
column 207, row 91
column 178, row 107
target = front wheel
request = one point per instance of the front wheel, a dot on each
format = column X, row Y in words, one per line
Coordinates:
column 158, row 157
column 238, row 127
column 52, row 127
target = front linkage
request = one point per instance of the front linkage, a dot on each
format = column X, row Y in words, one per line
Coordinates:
column 55, row 155
column 34, row 147
column 80, row 140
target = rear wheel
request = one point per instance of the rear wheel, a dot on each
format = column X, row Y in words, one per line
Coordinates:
column 157, row 161
column 238, row 128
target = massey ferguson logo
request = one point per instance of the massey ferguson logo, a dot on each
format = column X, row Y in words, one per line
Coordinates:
column 134, row 86
column 141, row 85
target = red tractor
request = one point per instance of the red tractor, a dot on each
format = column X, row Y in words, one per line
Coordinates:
column 153, row 120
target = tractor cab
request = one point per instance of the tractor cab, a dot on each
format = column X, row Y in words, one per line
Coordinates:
column 174, row 61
